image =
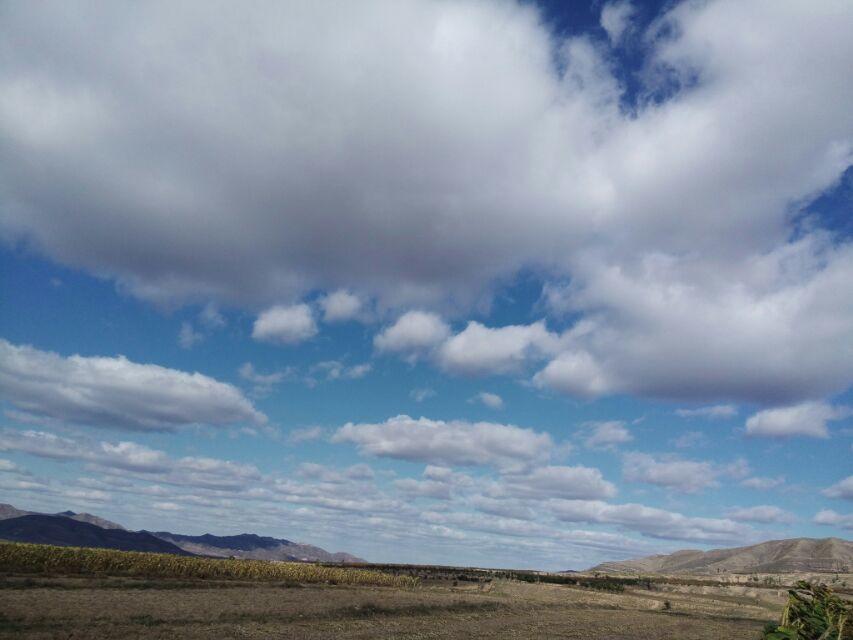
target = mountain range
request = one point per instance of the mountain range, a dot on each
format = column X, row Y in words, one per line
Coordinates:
column 809, row 555
column 86, row 530
column 8, row 511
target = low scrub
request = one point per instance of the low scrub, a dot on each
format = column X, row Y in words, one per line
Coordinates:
column 47, row 559
column 813, row 612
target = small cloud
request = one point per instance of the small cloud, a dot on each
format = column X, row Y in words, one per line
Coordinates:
column 714, row 412
column 616, row 19
column 337, row 370
column 264, row 382
column 806, row 419
column 340, row 306
column 413, row 334
column 490, row 400
column 419, row 395
column 188, row 337
column 834, row 519
column 358, row 371
column 211, row 318
column 841, row 489
column 763, row 483
column 686, row 476
column 285, row 325
column 764, row 514
column 690, row 439
column 306, row 434
column 606, row 434
column 166, row 506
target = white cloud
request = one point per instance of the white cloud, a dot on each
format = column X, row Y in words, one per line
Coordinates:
column 424, row 488
column 419, row 395
column 651, row 521
column 188, row 337
column 455, row 442
column 841, row 489
column 413, row 333
column 834, row 519
column 340, row 305
column 306, row 434
column 263, row 382
column 121, row 455
column 314, row 471
column 686, row 476
column 116, row 393
column 521, row 156
column 607, row 434
column 131, row 457
column 667, row 327
column 764, row 514
column 285, row 325
column 7, row 466
column 690, row 439
column 575, row 373
column 616, row 19
column 336, row 370
column 806, row 419
column 763, row 483
column 358, row 371
column 211, row 318
column 479, row 350
column 490, row 400
column 576, row 482
column 712, row 412
column 438, row 483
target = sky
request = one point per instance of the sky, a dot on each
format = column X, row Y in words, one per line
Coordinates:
column 530, row 285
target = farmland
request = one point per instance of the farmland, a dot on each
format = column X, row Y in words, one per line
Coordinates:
column 59, row 593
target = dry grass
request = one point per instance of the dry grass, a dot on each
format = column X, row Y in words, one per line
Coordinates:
column 36, row 607
column 57, row 592
column 46, row 559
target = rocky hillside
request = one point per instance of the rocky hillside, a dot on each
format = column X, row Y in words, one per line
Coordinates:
column 776, row 556
column 248, row 545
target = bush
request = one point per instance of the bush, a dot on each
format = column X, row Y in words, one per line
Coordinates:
column 813, row 612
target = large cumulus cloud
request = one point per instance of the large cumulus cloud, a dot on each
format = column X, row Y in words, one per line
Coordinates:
column 414, row 153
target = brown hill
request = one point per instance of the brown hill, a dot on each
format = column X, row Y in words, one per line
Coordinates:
column 826, row 555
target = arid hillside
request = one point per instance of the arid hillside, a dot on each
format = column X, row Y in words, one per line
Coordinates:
column 826, row 555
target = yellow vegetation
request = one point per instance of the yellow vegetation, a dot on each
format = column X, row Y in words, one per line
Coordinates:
column 38, row 558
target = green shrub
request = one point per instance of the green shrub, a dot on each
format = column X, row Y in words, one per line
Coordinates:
column 813, row 612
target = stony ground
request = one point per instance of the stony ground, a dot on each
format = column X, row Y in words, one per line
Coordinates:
column 138, row 608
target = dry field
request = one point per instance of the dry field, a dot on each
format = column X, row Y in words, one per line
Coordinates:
column 40, row 606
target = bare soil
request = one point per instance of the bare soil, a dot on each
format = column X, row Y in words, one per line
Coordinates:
column 98, row 607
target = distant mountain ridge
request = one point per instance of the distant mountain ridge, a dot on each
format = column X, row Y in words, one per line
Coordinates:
column 809, row 555
column 8, row 511
column 66, row 532
column 249, row 545
column 58, row 528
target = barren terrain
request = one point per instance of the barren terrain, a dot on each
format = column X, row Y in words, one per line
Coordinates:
column 100, row 607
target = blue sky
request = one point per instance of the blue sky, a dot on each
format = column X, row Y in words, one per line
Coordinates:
column 480, row 283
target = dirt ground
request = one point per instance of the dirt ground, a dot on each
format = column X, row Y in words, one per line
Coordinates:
column 139, row 608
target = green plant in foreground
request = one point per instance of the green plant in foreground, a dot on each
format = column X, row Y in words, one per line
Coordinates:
column 813, row 612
